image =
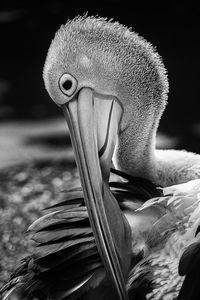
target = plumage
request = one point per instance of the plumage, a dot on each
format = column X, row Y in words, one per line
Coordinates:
column 66, row 256
column 173, row 232
column 65, row 253
column 190, row 265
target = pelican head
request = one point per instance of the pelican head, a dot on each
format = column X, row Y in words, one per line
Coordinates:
column 112, row 87
column 113, row 62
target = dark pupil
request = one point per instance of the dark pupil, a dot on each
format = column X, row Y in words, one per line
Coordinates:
column 67, row 85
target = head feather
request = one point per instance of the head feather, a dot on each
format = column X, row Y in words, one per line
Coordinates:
column 116, row 53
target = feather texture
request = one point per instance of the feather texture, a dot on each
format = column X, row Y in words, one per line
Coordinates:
column 164, row 222
column 65, row 263
column 190, row 266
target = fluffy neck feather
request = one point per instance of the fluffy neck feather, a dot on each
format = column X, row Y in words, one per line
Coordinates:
column 135, row 152
column 136, row 155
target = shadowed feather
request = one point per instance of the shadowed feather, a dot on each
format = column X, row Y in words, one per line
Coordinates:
column 65, row 254
column 65, row 263
column 189, row 265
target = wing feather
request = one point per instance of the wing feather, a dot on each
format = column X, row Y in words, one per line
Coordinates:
column 65, row 263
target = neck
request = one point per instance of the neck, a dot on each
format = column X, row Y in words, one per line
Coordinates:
column 135, row 152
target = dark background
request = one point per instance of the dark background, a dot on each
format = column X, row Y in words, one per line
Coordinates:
column 27, row 28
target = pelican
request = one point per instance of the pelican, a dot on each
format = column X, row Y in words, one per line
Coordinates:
column 112, row 87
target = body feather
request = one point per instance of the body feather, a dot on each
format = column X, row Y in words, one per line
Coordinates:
column 65, row 263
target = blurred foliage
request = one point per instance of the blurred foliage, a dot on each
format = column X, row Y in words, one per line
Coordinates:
column 25, row 190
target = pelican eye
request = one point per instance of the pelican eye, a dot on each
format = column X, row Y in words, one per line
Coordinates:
column 67, row 84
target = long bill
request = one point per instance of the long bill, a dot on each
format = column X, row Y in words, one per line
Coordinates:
column 93, row 122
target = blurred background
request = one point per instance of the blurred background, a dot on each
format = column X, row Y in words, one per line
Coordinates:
column 31, row 126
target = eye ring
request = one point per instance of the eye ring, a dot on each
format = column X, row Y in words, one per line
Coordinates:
column 67, row 84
